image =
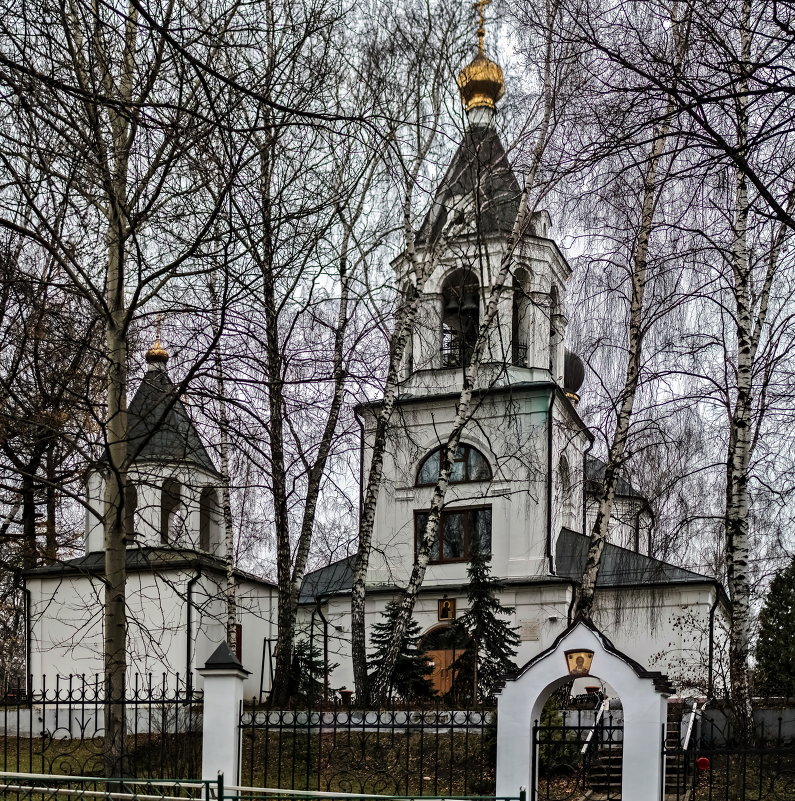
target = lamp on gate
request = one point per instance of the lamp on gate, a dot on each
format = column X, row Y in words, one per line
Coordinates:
column 579, row 662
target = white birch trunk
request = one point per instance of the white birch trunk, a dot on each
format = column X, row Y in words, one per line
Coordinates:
column 586, row 592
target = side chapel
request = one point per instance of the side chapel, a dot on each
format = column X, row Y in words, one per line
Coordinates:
column 176, row 563
column 523, row 485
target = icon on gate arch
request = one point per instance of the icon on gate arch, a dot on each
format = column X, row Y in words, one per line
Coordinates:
column 579, row 662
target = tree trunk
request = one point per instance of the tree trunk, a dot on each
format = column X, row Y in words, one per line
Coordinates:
column 738, row 457
column 274, row 368
column 400, row 339
column 115, row 618
column 586, row 593
column 226, row 495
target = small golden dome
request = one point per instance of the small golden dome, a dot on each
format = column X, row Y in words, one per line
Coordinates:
column 157, row 354
column 481, row 83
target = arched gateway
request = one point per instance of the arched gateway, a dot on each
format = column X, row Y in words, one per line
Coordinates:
column 643, row 694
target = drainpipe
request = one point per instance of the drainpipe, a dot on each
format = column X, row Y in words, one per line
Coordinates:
column 711, row 656
column 28, row 636
column 189, row 626
column 325, row 651
column 550, row 558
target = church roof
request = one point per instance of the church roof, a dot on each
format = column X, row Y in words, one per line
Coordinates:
column 336, row 577
column 620, row 567
column 144, row 559
column 159, row 426
column 480, row 171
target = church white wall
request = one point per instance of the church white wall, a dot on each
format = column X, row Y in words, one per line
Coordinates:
column 665, row 629
column 257, row 614
column 67, row 625
column 540, row 615
column 515, row 429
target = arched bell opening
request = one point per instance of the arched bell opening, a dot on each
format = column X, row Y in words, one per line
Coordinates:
column 578, row 740
column 171, row 513
column 130, row 508
column 209, row 520
column 568, row 517
column 460, row 317
column 520, row 317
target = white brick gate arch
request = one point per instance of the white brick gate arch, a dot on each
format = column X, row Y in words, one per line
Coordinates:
column 643, row 695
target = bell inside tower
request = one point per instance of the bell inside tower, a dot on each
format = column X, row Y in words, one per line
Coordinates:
column 460, row 317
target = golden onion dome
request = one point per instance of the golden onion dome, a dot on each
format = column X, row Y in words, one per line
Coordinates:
column 157, row 354
column 481, row 83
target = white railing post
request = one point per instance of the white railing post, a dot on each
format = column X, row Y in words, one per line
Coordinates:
column 223, row 695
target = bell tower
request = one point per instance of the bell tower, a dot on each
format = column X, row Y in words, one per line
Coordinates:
column 173, row 495
column 465, row 237
column 513, row 485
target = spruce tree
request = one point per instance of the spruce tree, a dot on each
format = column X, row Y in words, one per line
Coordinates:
column 482, row 667
column 775, row 647
column 411, row 675
column 306, row 685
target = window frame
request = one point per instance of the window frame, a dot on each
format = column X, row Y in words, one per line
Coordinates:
column 464, row 459
column 469, row 527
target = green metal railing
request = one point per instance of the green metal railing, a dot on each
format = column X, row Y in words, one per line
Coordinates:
column 53, row 787
column 49, row 787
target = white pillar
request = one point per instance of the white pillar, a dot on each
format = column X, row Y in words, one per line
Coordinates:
column 223, row 695
column 643, row 769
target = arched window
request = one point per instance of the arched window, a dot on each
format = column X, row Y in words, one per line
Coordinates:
column 469, row 464
column 555, row 330
column 209, row 529
column 170, row 502
column 520, row 319
column 460, row 317
column 566, row 495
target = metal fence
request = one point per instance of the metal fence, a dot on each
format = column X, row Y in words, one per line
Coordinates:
column 44, row 787
column 718, row 766
column 433, row 751
column 573, row 761
column 60, row 729
column 39, row 787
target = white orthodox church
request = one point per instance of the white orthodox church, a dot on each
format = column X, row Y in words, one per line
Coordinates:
column 523, row 483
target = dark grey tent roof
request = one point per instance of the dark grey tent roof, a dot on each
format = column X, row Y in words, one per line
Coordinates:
column 620, row 567
column 480, row 169
column 336, row 577
column 595, row 474
column 159, row 426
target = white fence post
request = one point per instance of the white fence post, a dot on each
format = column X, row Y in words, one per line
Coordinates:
column 223, row 695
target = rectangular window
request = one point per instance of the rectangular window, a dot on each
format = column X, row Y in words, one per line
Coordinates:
column 461, row 532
